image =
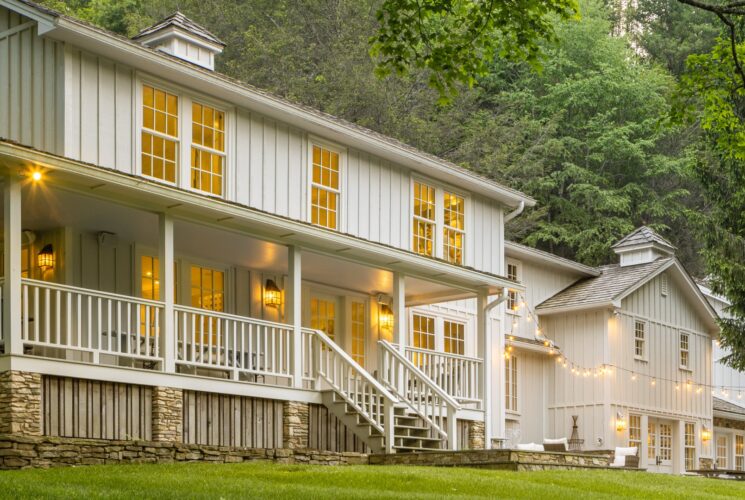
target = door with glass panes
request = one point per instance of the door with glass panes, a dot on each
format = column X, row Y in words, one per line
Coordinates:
column 343, row 319
column 660, row 445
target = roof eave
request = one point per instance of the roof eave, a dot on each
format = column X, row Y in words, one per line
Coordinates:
column 523, row 251
column 605, row 304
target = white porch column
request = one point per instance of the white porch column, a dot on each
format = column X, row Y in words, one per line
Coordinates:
column 484, row 351
column 167, row 288
column 644, row 450
column 293, row 311
column 12, row 265
column 399, row 311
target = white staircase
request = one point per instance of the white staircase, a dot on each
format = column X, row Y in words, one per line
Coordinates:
column 385, row 418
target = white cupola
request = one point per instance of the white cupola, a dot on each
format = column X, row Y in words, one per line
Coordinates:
column 181, row 37
column 641, row 246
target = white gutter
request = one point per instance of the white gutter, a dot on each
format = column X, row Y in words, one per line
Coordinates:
column 515, row 212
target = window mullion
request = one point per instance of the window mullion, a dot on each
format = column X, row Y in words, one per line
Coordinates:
column 439, row 237
column 184, row 180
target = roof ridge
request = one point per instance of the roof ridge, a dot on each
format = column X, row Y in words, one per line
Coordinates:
column 643, row 234
column 180, row 20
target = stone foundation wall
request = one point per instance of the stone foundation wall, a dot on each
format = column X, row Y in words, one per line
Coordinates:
column 705, row 463
column 18, row 452
column 476, row 436
column 20, row 403
column 295, row 422
column 168, row 414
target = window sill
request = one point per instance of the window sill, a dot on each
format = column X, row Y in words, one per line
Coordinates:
column 685, row 369
column 642, row 360
column 512, row 413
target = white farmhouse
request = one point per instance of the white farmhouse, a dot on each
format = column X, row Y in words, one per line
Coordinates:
column 220, row 266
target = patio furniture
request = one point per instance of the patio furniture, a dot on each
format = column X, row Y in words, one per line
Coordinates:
column 625, row 457
column 560, row 444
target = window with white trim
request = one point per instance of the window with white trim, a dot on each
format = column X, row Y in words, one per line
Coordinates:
column 684, row 350
column 325, row 190
column 160, row 134
column 207, row 148
column 512, row 298
column 722, row 446
column 358, row 332
column 438, row 226
column 739, row 452
column 640, row 339
column 635, row 431
column 510, row 381
column 690, row 446
column 454, row 336
column 423, row 333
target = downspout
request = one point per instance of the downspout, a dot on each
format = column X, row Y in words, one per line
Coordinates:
column 515, row 212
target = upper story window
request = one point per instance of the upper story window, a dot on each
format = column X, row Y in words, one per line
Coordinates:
column 424, row 219
column 325, row 187
column 160, row 134
column 207, row 149
column 640, row 339
column 513, row 273
column 438, row 212
column 684, row 351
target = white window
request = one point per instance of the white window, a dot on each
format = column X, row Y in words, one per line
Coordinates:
column 325, row 186
column 684, row 352
column 160, row 134
column 510, row 381
column 722, row 452
column 740, row 452
column 438, row 226
column 635, row 431
column 690, row 446
column 358, row 332
column 207, row 149
column 454, row 337
column 513, row 273
column 640, row 339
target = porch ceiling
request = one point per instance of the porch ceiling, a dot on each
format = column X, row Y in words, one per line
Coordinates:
column 145, row 196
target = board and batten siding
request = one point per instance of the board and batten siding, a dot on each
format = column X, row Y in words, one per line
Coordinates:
column 95, row 409
column 31, row 84
column 267, row 164
column 666, row 317
column 528, row 424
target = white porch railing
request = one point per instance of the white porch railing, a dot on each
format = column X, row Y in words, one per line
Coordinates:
column 418, row 391
column 456, row 375
column 61, row 316
column 238, row 344
column 354, row 384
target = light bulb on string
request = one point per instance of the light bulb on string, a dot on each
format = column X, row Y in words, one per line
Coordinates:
column 633, row 376
column 654, row 382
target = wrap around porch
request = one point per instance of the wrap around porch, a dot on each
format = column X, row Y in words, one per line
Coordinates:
column 89, row 280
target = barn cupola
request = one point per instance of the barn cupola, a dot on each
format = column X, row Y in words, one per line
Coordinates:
column 181, row 37
column 641, row 246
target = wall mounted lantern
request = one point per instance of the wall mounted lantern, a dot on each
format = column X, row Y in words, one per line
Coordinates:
column 386, row 317
column 705, row 434
column 620, row 422
column 272, row 294
column 45, row 258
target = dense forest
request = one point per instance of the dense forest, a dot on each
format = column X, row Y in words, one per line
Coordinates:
column 588, row 133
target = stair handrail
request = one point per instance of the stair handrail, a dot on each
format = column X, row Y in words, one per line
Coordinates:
column 422, row 395
column 378, row 409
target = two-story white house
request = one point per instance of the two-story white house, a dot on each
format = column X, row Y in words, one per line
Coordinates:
column 213, row 261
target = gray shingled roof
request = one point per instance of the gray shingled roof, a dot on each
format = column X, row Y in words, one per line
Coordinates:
column 643, row 235
column 722, row 405
column 612, row 282
column 179, row 20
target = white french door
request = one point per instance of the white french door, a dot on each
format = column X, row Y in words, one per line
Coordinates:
column 660, row 445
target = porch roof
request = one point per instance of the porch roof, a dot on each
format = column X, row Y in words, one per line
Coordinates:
column 144, row 194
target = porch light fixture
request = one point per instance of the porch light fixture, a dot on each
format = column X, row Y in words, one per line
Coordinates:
column 272, row 294
column 705, row 434
column 620, row 422
column 45, row 258
column 36, row 175
column 386, row 317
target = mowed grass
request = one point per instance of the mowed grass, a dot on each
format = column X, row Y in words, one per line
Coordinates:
column 266, row 480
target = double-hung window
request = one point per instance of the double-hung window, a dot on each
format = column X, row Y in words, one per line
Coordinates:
column 690, row 446
column 512, row 274
column 454, row 336
column 325, row 187
column 635, row 431
column 640, row 339
column 510, row 382
column 207, row 148
column 739, row 452
column 438, row 223
column 160, row 134
column 684, row 351
column 722, row 455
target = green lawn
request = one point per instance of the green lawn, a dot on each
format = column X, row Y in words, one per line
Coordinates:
column 261, row 480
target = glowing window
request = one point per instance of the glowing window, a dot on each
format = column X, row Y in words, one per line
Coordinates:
column 160, row 136
column 510, row 380
column 722, row 452
column 740, row 452
column 358, row 332
column 454, row 337
column 424, row 220
column 323, row 316
column 325, row 188
column 635, row 431
column 690, row 446
column 207, row 149
column 454, row 229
